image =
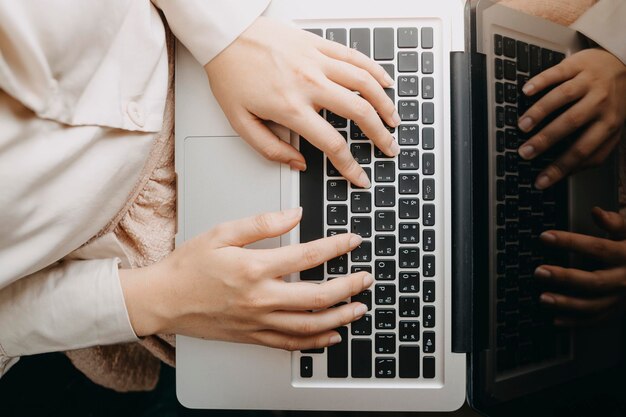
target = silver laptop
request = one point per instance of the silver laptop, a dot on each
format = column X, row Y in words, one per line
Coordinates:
column 440, row 322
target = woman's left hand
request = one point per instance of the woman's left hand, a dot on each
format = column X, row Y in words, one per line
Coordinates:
column 601, row 293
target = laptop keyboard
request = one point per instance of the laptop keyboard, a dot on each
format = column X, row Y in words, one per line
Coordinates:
column 396, row 217
column 525, row 336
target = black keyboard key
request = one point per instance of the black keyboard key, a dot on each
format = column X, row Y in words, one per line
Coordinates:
column 385, row 367
column 428, row 240
column 364, row 297
column 385, row 245
column 356, row 133
column 409, row 257
column 409, row 359
column 499, row 93
column 427, row 38
column 361, row 226
column 428, row 214
column 547, row 59
column 335, row 120
column 429, row 367
column 508, row 47
column 361, row 202
column 408, row 159
column 428, row 316
column 390, row 68
column 510, row 116
column 384, row 44
column 334, row 232
column 368, row 172
column 428, row 63
column 408, row 135
column 306, row 366
column 385, row 343
column 428, row 88
column 409, row 233
column 361, row 358
column 499, row 116
column 500, row 190
column 512, row 184
column 337, row 215
column 497, row 44
column 385, row 294
column 428, row 343
column 535, row 60
column 408, row 110
column 428, row 137
column 362, row 152
column 407, row 61
column 362, row 326
column 385, row 171
column 337, row 190
column 409, row 282
column 318, row 32
column 407, row 86
column 338, row 265
column 408, row 208
column 499, row 141
column 522, row 56
column 429, row 266
column 337, row 363
column 385, row 318
column 409, row 331
column 500, row 165
column 510, row 93
column 511, row 162
column 511, row 139
column 428, row 189
column 409, row 307
column 428, row 291
column 331, row 171
column 311, row 351
column 510, row 72
column 360, row 40
column 385, row 270
column 408, row 184
column 338, row 35
column 407, row 38
column 500, row 215
column 499, row 68
column 362, row 253
column 385, row 196
column 511, row 208
column 385, row 220
column 428, row 113
column 428, row 164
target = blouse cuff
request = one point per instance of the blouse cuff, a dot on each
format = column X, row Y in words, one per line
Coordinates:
column 69, row 305
column 208, row 27
column 603, row 24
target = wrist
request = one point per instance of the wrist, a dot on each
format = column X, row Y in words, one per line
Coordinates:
column 145, row 303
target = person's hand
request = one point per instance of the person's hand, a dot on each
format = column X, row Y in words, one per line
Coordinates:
column 588, row 296
column 211, row 287
column 286, row 75
column 594, row 81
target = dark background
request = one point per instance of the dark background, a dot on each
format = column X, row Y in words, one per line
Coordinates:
column 48, row 385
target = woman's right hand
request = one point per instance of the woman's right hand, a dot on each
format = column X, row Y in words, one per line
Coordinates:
column 214, row 288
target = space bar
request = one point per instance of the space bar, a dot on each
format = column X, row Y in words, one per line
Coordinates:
column 312, row 202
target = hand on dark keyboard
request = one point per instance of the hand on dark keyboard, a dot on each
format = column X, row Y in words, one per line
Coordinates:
column 586, row 297
column 214, row 288
column 275, row 72
column 593, row 83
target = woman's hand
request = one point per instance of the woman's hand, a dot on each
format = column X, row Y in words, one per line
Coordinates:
column 594, row 82
column 213, row 288
column 589, row 296
column 275, row 72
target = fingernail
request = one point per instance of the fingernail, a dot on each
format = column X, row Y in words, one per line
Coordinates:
column 395, row 148
column 388, row 80
column 368, row 280
column 545, row 298
column 334, row 339
column 542, row 182
column 548, row 237
column 364, row 180
column 297, row 165
column 396, row 119
column 525, row 123
column 293, row 213
column 528, row 88
column 526, row 151
column 542, row 273
column 360, row 310
column 355, row 241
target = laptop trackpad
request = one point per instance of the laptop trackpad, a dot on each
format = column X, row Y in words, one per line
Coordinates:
column 225, row 179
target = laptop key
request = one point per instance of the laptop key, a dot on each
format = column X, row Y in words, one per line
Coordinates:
column 385, row 270
column 385, row 294
column 508, row 47
column 338, row 265
column 385, row 318
column 385, row 196
column 428, row 240
column 385, row 343
column 390, row 68
column 361, row 202
column 384, row 171
column 407, row 38
column 407, row 62
column 428, row 164
column 362, row 326
column 337, row 359
column 499, row 69
column 408, row 208
column 510, row 93
column 318, row 32
column 428, row 316
column 385, row 220
column 361, row 226
column 428, row 138
column 409, row 282
column 428, row 187
column 409, row 233
column 427, row 38
column 385, row 245
column 428, row 113
column 428, row 63
column 335, row 120
column 409, row 307
column 385, row 367
column 384, row 44
column 408, row 184
column 362, row 152
column 428, row 291
column 510, row 71
column 535, row 60
column 408, row 110
column 522, row 56
column 360, row 40
column 428, row 215
column 409, row 331
column 339, row 35
column 362, row 253
column 428, row 88
column 408, row 135
column 428, row 344
column 409, row 358
column 408, row 159
column 337, row 215
column 361, row 358
column 337, row 190
column 499, row 93
column 497, row 44
column 409, row 258
column 306, row 366
column 364, row 297
column 429, row 367
column 429, row 266
column 407, row 86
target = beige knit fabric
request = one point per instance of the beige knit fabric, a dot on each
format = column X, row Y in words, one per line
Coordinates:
column 146, row 228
